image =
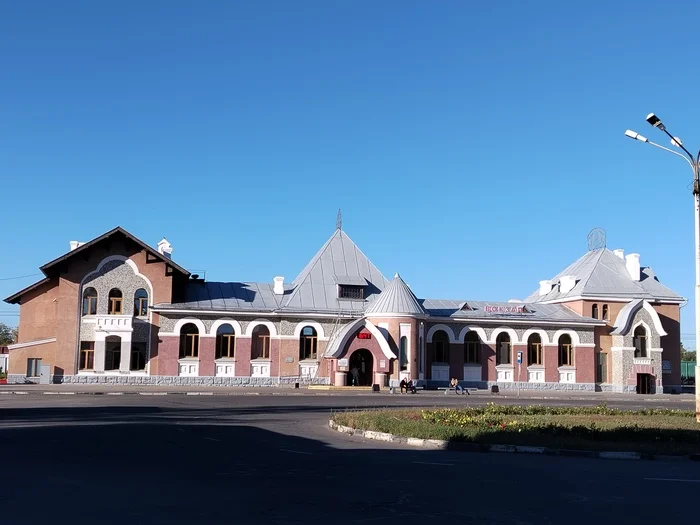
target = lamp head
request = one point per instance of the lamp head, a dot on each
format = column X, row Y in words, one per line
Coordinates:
column 655, row 121
column 636, row 136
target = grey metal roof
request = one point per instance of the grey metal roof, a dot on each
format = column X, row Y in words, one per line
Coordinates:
column 601, row 273
column 353, row 280
column 257, row 297
column 315, row 288
column 397, row 298
column 477, row 310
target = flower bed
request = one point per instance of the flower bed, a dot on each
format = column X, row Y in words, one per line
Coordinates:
column 656, row 431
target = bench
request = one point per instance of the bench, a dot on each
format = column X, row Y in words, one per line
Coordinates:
column 465, row 391
column 395, row 387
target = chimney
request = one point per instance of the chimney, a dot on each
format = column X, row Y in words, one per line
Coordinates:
column 75, row 244
column 633, row 268
column 545, row 287
column 567, row 283
column 620, row 253
column 278, row 285
column 165, row 248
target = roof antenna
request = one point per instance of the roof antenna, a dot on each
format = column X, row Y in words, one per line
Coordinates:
column 596, row 239
column 339, row 221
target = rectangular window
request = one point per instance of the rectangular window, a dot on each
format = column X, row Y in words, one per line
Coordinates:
column 309, row 344
column 350, row 292
column 601, row 372
column 115, row 306
column 33, row 367
column 113, row 353
column 141, row 306
column 189, row 345
column 138, row 357
column 535, row 354
column 89, row 305
column 87, row 355
column 503, row 354
column 225, row 346
column 441, row 352
column 472, row 352
column 566, row 355
column 263, row 346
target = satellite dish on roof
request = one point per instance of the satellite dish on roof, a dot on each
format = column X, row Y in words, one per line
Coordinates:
column 596, row 239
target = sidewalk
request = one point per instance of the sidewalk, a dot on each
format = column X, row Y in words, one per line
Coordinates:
column 434, row 395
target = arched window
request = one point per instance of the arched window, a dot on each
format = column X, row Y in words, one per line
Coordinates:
column 90, row 301
column 403, row 352
column 225, row 341
column 566, row 351
column 534, row 350
column 308, row 343
column 472, row 347
column 640, row 342
column 115, row 302
column 606, row 312
column 503, row 349
column 141, row 303
column 441, row 347
column 189, row 341
column 113, row 352
column 260, row 343
column 594, row 311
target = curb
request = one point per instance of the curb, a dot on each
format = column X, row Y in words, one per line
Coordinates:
column 439, row 444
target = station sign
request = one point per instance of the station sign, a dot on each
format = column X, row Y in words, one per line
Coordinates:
column 364, row 335
column 505, row 309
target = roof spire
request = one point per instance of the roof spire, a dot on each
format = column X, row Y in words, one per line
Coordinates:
column 596, row 239
column 339, row 221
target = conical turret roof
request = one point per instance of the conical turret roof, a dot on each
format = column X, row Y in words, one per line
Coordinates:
column 397, row 298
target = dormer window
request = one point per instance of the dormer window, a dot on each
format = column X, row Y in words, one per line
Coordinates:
column 350, row 291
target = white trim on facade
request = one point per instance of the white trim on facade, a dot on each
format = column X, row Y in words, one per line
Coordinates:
column 497, row 331
column 317, row 326
column 435, row 328
column 608, row 299
column 182, row 322
column 270, row 326
column 237, row 330
column 282, row 314
column 591, row 324
column 543, row 335
column 575, row 340
column 463, row 333
column 383, row 343
column 31, row 343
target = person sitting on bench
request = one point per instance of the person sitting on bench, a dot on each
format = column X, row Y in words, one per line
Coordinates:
column 407, row 386
column 455, row 384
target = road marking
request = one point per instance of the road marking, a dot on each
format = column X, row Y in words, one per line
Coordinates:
column 431, row 463
column 674, row 479
column 296, row 452
column 212, row 439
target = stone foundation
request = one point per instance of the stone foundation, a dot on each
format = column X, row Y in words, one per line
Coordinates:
column 174, row 380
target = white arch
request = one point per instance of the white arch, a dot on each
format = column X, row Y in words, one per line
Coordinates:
column 480, row 331
column 219, row 322
column 383, row 343
column 646, row 327
column 129, row 263
column 437, row 327
column 270, row 326
column 575, row 340
column 655, row 319
column 300, row 326
column 197, row 322
column 538, row 331
column 497, row 331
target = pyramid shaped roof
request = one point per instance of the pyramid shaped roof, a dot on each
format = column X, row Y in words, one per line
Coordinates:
column 601, row 273
column 338, row 262
column 397, row 298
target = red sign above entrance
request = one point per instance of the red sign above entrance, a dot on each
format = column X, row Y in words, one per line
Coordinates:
column 501, row 309
column 364, row 335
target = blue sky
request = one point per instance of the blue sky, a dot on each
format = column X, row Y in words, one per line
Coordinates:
column 471, row 146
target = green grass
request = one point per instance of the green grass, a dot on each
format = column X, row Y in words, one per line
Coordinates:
column 652, row 431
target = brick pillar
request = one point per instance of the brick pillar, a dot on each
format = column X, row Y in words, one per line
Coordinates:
column 551, row 363
column 275, row 351
column 456, row 360
column 207, row 353
column 488, row 362
column 584, row 359
column 243, row 356
column 168, row 354
column 514, row 361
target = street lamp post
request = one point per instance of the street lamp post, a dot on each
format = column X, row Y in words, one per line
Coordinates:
column 694, row 162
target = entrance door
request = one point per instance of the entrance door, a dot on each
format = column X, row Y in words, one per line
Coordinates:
column 361, row 373
column 643, row 383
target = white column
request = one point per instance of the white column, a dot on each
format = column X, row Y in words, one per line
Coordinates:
column 99, row 365
column 125, row 352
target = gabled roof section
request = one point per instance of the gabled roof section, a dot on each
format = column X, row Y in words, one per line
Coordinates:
column 118, row 231
column 339, row 259
column 397, row 298
column 601, row 273
column 48, row 268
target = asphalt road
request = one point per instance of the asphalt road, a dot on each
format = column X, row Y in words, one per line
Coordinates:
column 271, row 459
